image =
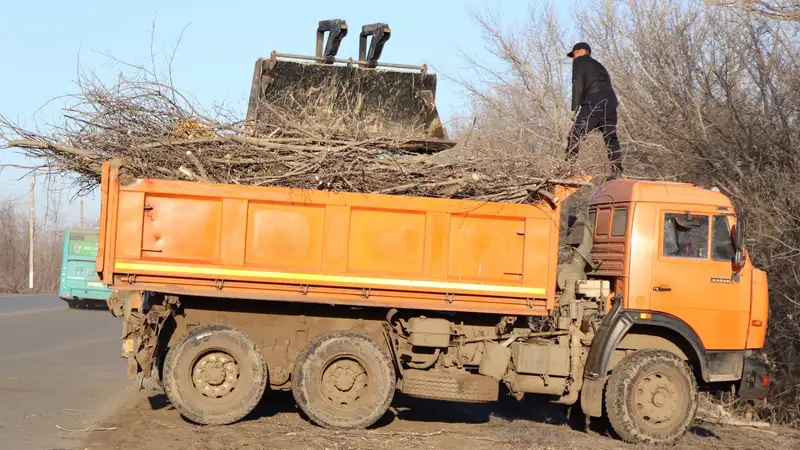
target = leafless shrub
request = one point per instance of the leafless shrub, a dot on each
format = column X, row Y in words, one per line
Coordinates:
column 14, row 246
column 309, row 138
column 708, row 95
column 520, row 108
column 774, row 9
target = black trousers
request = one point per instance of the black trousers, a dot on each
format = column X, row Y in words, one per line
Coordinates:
column 597, row 112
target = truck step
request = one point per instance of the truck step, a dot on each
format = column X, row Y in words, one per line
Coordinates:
column 450, row 385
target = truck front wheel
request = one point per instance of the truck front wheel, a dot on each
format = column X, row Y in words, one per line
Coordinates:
column 343, row 379
column 651, row 397
column 215, row 375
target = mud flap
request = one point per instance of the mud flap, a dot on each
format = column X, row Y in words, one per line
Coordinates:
column 755, row 381
column 592, row 397
column 142, row 338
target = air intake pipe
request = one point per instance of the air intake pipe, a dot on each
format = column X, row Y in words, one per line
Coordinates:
column 569, row 274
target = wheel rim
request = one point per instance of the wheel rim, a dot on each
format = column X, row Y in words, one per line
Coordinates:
column 215, row 374
column 658, row 399
column 344, row 383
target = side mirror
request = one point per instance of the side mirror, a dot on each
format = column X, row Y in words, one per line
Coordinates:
column 739, row 258
column 738, row 233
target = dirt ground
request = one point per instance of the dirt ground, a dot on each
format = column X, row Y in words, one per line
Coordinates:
column 150, row 422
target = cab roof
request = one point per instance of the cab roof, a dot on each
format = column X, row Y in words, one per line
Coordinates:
column 627, row 190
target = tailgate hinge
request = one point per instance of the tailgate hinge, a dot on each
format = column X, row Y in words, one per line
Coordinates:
column 131, row 278
column 449, row 298
column 366, row 292
column 304, row 289
column 219, row 284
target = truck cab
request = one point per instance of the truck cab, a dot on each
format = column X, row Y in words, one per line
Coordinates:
column 676, row 258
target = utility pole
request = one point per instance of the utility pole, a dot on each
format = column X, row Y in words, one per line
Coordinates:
column 30, row 232
column 81, row 215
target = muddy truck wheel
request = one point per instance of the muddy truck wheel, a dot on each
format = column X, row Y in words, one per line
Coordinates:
column 343, row 379
column 651, row 397
column 215, row 375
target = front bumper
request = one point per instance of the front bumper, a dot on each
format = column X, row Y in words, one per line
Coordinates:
column 755, row 381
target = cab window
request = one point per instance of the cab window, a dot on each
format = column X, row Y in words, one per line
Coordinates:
column 619, row 222
column 603, row 222
column 721, row 240
column 685, row 235
column 591, row 219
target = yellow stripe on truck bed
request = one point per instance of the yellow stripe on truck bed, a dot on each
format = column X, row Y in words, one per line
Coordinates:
column 319, row 278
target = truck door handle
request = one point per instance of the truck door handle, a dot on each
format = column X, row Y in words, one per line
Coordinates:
column 662, row 288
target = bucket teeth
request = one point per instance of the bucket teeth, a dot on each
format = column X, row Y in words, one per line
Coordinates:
column 337, row 29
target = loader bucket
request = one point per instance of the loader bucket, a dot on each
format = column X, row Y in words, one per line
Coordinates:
column 359, row 99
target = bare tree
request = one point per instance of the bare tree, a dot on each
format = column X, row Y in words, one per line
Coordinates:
column 708, row 95
column 774, row 9
column 520, row 108
column 14, row 245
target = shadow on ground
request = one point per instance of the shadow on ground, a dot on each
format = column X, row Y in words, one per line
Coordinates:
column 411, row 409
column 704, row 433
column 159, row 401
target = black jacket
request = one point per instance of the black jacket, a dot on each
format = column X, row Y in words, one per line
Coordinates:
column 588, row 77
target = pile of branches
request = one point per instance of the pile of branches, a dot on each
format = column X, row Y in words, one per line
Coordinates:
column 158, row 132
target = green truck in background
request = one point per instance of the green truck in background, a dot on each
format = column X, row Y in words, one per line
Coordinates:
column 79, row 285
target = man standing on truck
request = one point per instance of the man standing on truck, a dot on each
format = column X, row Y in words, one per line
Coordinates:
column 594, row 105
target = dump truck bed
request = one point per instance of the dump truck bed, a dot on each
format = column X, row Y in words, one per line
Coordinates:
column 268, row 243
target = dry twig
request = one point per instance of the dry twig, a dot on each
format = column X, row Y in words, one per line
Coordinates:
column 305, row 143
column 85, row 430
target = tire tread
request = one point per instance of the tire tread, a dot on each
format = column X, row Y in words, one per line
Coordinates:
column 303, row 388
column 172, row 389
column 617, row 395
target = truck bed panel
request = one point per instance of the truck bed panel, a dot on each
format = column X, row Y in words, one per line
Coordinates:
column 277, row 240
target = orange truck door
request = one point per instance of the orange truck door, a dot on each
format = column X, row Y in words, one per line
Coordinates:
column 692, row 278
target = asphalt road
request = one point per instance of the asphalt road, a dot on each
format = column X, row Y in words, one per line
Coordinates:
column 59, row 367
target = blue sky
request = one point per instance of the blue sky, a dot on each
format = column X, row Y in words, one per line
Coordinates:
column 42, row 42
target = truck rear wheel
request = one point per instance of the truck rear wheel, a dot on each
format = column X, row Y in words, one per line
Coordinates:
column 651, row 397
column 215, row 375
column 343, row 379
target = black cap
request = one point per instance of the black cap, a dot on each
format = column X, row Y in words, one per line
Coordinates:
column 579, row 46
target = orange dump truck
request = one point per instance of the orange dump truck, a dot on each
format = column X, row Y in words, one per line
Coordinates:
column 229, row 291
